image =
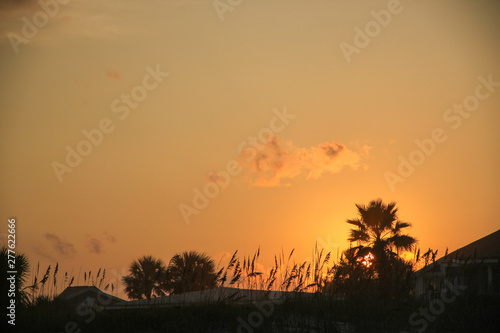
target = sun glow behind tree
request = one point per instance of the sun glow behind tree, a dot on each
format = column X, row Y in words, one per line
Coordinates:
column 367, row 260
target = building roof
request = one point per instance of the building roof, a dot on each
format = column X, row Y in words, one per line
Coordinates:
column 484, row 248
column 72, row 292
column 487, row 247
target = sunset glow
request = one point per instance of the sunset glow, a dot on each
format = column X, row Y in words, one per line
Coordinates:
column 133, row 128
column 367, row 260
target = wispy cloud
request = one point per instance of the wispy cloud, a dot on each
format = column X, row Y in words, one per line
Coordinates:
column 61, row 246
column 94, row 245
column 93, row 19
column 40, row 251
column 109, row 237
column 14, row 4
column 277, row 161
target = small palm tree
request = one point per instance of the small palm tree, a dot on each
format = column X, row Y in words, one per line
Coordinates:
column 379, row 231
column 146, row 279
column 191, row 271
column 21, row 266
column 379, row 236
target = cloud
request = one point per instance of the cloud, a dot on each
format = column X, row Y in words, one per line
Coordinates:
column 11, row 14
column 94, row 20
column 62, row 247
column 40, row 251
column 109, row 237
column 94, row 245
column 113, row 74
column 11, row 4
column 223, row 182
column 277, row 160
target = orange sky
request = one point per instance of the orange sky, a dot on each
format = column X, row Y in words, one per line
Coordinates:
column 344, row 109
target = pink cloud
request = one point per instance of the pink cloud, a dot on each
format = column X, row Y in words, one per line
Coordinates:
column 277, row 160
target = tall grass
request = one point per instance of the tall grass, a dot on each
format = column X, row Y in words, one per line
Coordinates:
column 285, row 275
column 49, row 285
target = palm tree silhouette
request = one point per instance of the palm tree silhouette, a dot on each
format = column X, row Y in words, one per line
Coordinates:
column 191, row 271
column 379, row 238
column 379, row 231
column 147, row 278
column 21, row 266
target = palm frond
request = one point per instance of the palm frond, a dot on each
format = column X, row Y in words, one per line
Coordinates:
column 399, row 226
column 403, row 242
column 358, row 236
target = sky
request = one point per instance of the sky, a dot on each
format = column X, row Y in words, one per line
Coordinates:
column 131, row 128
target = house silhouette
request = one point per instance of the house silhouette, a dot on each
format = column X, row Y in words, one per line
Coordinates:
column 475, row 267
column 76, row 296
